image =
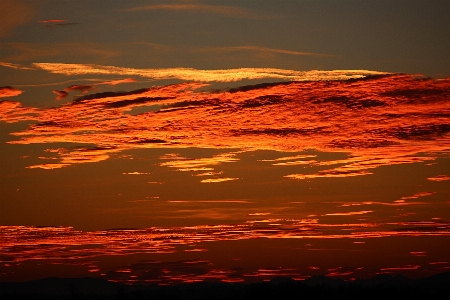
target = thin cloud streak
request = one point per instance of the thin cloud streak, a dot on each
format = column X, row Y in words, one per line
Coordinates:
column 439, row 178
column 33, row 51
column 190, row 74
column 56, row 22
column 220, row 179
column 228, row 11
column 15, row 66
column 259, row 49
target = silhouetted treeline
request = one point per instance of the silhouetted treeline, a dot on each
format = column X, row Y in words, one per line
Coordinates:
column 321, row 287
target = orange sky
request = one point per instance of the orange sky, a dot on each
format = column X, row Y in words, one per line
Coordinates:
column 185, row 141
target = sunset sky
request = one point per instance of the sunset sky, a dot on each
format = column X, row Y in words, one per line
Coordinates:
column 235, row 141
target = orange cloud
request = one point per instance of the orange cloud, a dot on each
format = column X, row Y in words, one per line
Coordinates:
column 353, row 116
column 219, row 179
column 406, row 267
column 8, row 91
column 52, row 21
column 439, row 178
column 352, row 213
column 15, row 66
column 56, row 22
column 21, row 244
column 205, row 75
column 119, row 81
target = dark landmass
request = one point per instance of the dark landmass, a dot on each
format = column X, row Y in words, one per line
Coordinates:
column 318, row 287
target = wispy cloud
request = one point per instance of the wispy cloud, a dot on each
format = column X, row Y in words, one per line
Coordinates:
column 33, row 51
column 226, row 75
column 259, row 49
column 399, row 268
column 351, row 213
column 218, row 179
column 16, row 66
column 84, row 88
column 227, row 11
column 439, row 178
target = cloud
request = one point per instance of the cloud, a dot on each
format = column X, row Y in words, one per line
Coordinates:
column 22, row 244
column 352, row 213
column 136, row 173
column 60, row 94
column 228, row 11
column 218, row 179
column 199, row 164
column 52, row 21
column 84, row 88
column 32, row 51
column 13, row 14
column 189, row 74
column 288, row 117
column 263, row 50
column 400, row 268
column 15, row 66
column 439, row 178
column 417, row 195
column 118, row 81
column 11, row 112
column 56, row 22
column 7, row 91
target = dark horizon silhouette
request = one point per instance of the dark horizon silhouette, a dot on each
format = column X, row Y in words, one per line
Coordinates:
column 316, row 287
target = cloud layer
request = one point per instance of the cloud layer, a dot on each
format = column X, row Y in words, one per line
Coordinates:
column 189, row 74
column 90, row 250
column 379, row 120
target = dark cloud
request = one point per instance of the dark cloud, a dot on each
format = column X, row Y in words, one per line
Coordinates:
column 108, row 95
column 247, row 88
column 142, row 100
column 60, row 94
column 82, row 88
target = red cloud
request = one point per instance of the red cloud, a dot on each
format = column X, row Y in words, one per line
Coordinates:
column 381, row 120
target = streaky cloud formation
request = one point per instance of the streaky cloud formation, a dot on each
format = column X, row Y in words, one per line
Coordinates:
column 15, row 66
column 56, row 245
column 439, row 178
column 379, row 120
column 190, row 74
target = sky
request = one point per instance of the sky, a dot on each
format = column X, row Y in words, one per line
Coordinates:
column 233, row 141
